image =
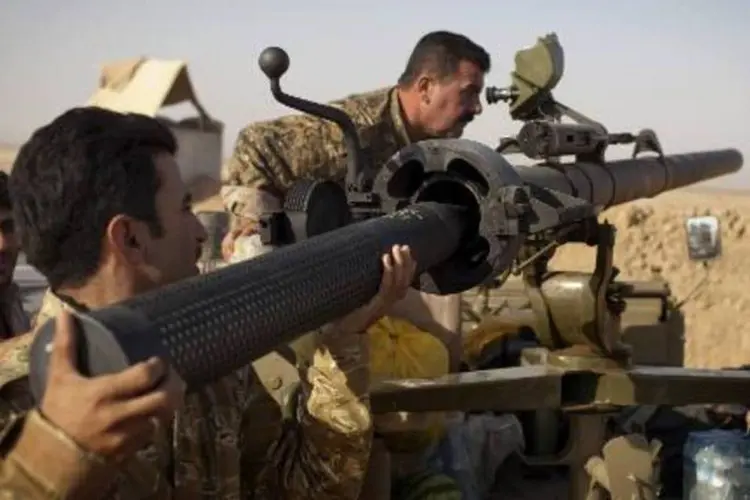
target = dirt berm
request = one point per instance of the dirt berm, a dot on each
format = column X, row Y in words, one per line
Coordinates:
column 651, row 239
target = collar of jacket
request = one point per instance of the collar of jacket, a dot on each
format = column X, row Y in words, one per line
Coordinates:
column 397, row 118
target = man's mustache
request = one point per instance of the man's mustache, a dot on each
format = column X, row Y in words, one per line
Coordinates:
column 467, row 118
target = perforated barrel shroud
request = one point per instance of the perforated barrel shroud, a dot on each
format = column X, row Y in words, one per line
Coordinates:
column 213, row 324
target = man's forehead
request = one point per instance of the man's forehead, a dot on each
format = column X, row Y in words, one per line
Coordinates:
column 469, row 74
column 170, row 176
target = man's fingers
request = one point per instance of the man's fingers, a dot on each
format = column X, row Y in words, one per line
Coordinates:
column 227, row 244
column 407, row 268
column 159, row 404
column 398, row 257
column 136, row 380
column 402, row 257
column 386, row 282
column 64, row 359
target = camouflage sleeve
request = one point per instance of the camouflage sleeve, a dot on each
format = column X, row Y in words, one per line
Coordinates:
column 269, row 156
column 38, row 461
column 244, row 181
column 327, row 453
column 251, row 180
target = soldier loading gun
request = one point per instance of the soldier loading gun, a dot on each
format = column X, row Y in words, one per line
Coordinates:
column 119, row 436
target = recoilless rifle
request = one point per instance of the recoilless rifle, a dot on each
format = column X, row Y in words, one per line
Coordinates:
column 469, row 216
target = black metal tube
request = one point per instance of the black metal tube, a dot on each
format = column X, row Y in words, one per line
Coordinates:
column 621, row 181
column 213, row 324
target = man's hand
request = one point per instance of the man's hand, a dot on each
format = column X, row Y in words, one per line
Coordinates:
column 227, row 243
column 111, row 415
column 398, row 273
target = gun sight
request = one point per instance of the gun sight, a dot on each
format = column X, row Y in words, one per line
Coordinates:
column 538, row 70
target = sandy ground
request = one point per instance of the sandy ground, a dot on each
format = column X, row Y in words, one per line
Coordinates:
column 651, row 239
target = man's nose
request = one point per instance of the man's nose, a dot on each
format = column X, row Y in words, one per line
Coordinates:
column 3, row 241
column 478, row 106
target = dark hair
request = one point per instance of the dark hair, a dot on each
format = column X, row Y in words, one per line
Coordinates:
column 73, row 176
column 440, row 53
column 5, row 203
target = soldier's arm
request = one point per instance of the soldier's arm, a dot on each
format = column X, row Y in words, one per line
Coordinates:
column 327, row 453
column 249, row 185
column 38, row 461
column 269, row 156
column 54, row 452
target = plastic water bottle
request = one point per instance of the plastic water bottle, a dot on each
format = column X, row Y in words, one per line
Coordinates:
column 717, row 466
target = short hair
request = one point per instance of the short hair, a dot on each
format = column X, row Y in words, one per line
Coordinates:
column 73, row 176
column 5, row 202
column 440, row 53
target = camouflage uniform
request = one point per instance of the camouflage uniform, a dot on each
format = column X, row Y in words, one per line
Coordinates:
column 216, row 448
column 274, row 154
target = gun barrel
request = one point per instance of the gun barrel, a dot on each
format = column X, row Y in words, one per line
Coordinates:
column 621, row 181
column 213, row 324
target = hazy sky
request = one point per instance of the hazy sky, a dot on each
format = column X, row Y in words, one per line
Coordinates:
column 679, row 67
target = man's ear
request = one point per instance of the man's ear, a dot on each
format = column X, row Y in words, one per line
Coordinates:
column 125, row 238
column 424, row 88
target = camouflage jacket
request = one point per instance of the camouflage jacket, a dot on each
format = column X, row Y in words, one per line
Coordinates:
column 229, row 442
column 273, row 154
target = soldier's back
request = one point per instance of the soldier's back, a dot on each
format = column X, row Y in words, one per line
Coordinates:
column 277, row 152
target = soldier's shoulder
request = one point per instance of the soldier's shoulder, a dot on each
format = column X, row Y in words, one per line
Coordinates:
column 366, row 106
column 361, row 107
column 15, row 352
column 261, row 132
column 51, row 307
column 14, row 358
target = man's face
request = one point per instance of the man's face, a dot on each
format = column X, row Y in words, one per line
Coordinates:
column 449, row 105
column 171, row 256
column 8, row 247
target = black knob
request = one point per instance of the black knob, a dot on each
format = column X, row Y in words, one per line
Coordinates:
column 274, row 62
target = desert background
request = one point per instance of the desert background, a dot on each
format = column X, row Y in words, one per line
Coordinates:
column 651, row 241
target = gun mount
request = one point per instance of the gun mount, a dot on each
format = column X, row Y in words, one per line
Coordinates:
column 538, row 71
column 469, row 216
column 317, row 197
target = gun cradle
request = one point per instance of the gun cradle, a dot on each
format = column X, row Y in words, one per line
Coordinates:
column 585, row 397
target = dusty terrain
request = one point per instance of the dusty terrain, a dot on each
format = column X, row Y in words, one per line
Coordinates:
column 651, row 239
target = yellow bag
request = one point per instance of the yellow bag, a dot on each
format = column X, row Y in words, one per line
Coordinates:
column 398, row 350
